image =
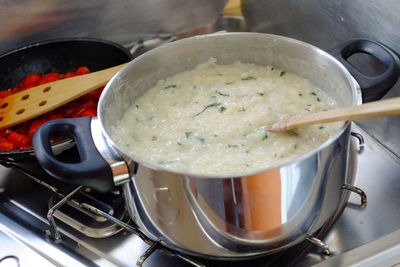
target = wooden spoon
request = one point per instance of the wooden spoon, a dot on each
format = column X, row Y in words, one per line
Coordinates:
column 37, row 100
column 370, row 110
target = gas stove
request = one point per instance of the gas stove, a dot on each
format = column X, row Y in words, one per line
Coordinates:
column 45, row 223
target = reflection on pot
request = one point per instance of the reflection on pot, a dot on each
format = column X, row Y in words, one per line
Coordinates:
column 257, row 209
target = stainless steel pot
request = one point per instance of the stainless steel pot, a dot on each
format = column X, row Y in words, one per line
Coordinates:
column 221, row 216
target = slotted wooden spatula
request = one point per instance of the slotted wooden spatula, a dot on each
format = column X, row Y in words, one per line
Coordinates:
column 37, row 100
column 370, row 110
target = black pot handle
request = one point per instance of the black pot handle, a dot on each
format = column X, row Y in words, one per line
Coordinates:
column 92, row 170
column 373, row 88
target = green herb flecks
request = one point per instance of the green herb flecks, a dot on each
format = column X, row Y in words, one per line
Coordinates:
column 313, row 93
column 221, row 94
column 137, row 106
column 215, row 104
column 321, row 127
column 261, row 94
column 179, row 144
column 201, row 139
column 265, row 137
column 249, row 78
column 229, row 83
column 272, row 68
column 154, row 138
column 300, row 94
column 187, row 134
column 242, row 110
column 282, row 73
column 295, row 146
column 318, row 99
column 220, row 74
column 170, row 86
column 232, row 146
column 222, row 109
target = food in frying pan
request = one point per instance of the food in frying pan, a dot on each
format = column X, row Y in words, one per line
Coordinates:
column 20, row 136
column 212, row 120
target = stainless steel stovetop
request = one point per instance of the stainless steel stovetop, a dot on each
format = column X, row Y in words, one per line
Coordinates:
column 361, row 236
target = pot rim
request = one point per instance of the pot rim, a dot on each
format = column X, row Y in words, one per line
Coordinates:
column 351, row 80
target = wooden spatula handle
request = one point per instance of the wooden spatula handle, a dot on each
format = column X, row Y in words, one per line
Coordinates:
column 38, row 100
column 370, row 110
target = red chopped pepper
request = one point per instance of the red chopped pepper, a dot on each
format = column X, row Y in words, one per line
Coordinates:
column 4, row 94
column 92, row 95
column 35, row 124
column 20, row 136
column 6, row 145
column 90, row 104
column 22, row 128
column 4, row 133
column 89, row 112
column 69, row 74
column 68, row 109
column 18, row 139
column 51, row 77
column 55, row 116
column 82, row 70
column 30, row 81
column 78, row 111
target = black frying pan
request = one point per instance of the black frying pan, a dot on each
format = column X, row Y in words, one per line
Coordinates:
column 61, row 56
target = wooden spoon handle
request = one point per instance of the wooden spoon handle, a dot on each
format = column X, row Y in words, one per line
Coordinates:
column 370, row 110
column 37, row 100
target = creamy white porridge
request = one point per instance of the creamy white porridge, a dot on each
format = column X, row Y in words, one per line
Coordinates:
column 211, row 120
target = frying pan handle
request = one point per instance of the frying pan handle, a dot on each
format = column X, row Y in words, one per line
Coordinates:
column 92, row 170
column 373, row 88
